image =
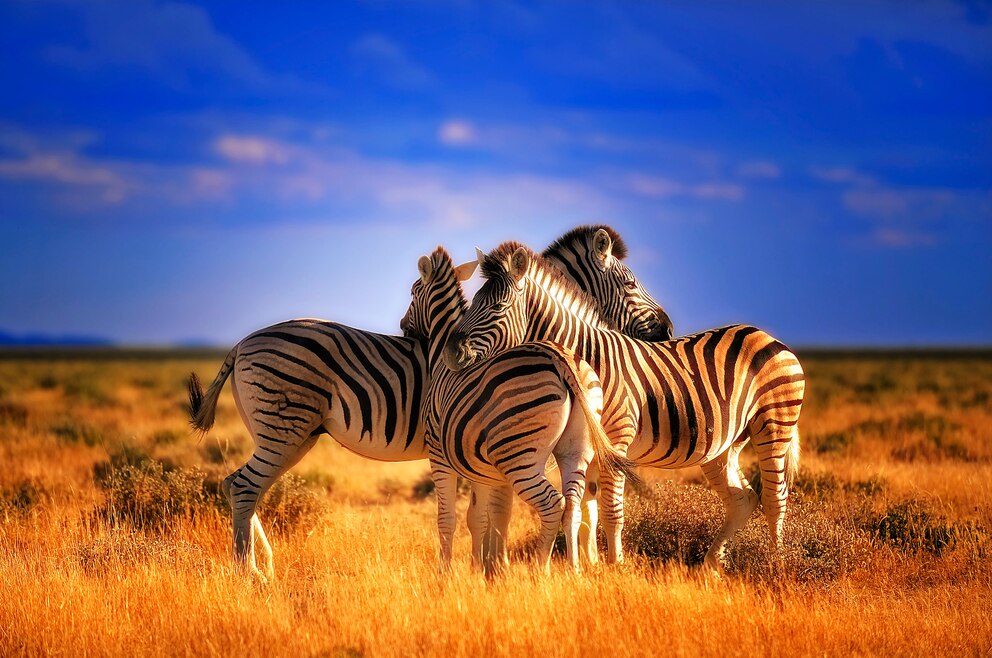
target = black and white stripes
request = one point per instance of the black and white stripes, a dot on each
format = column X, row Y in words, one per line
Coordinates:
column 692, row 401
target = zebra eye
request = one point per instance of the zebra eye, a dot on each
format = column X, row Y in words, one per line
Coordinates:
column 630, row 285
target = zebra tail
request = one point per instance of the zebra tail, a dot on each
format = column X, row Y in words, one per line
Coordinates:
column 202, row 406
column 792, row 460
column 791, row 466
column 611, row 461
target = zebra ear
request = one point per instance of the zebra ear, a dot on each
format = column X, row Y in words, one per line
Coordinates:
column 465, row 271
column 602, row 245
column 426, row 267
column 480, row 255
column 519, row 263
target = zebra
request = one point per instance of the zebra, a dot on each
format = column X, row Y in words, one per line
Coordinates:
column 692, row 401
column 497, row 424
column 296, row 380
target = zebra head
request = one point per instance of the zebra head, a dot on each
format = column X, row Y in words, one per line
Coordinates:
column 497, row 318
column 437, row 302
column 592, row 258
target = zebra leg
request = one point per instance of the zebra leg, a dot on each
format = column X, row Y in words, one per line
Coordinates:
column 245, row 488
column 776, row 446
column 533, row 486
column 590, row 515
column 500, row 506
column 446, row 490
column 611, row 494
column 739, row 500
column 573, row 470
column 478, row 522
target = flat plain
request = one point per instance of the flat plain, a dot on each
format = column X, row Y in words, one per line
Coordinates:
column 115, row 539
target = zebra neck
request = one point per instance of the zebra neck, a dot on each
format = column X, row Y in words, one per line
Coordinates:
column 556, row 314
column 445, row 317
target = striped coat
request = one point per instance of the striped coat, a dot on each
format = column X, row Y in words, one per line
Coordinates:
column 692, row 401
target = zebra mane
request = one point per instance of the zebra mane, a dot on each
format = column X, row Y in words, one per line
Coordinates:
column 582, row 234
column 497, row 264
column 443, row 264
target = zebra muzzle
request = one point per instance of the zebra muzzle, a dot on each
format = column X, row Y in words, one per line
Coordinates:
column 457, row 354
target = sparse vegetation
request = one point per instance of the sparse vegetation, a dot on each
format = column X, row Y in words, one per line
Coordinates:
column 115, row 534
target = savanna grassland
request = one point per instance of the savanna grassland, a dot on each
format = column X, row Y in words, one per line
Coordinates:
column 115, row 538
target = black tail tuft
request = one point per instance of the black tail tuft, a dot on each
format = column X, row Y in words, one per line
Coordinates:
column 195, row 390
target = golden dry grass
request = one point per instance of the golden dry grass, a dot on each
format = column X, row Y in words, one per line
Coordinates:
column 114, row 539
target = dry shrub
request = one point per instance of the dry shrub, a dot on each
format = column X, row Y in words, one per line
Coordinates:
column 167, row 437
column 819, row 486
column 424, row 487
column 13, row 414
column 291, row 504
column 71, row 431
column 672, row 522
column 831, row 441
column 146, row 493
column 669, row 521
column 86, row 389
column 120, row 550
column 22, row 498
column 911, row 527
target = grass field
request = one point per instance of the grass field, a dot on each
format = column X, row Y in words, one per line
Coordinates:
column 114, row 537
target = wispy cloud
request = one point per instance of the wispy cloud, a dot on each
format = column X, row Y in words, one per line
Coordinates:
column 380, row 57
column 841, row 175
column 759, row 169
column 891, row 203
column 67, row 168
column 659, row 187
column 457, row 132
column 251, row 149
column 172, row 41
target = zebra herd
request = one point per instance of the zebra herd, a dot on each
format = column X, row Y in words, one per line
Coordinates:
column 563, row 355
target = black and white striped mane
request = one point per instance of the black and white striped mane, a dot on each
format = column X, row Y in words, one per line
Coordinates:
column 581, row 235
column 497, row 265
column 445, row 266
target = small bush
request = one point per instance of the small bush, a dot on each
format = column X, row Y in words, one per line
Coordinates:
column 21, row 498
column 73, row 432
column 13, row 414
column 390, row 488
column 145, row 493
column 910, row 527
column 85, row 389
column 671, row 522
column 290, row 504
column 870, row 487
column 424, row 487
column 832, row 442
column 816, row 486
column 118, row 550
column 166, row 437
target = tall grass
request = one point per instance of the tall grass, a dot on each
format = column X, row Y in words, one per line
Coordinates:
column 115, row 538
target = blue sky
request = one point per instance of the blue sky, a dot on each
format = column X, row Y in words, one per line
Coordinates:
column 174, row 172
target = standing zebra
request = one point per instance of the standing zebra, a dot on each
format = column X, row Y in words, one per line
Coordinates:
column 497, row 424
column 295, row 380
column 692, row 401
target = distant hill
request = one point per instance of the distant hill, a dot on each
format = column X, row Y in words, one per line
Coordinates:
column 50, row 340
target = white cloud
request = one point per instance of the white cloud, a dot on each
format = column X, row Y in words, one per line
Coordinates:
column 892, row 203
column 888, row 236
column 457, row 132
column 68, row 169
column 759, row 169
column 841, row 175
column 252, row 149
column 660, row 187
